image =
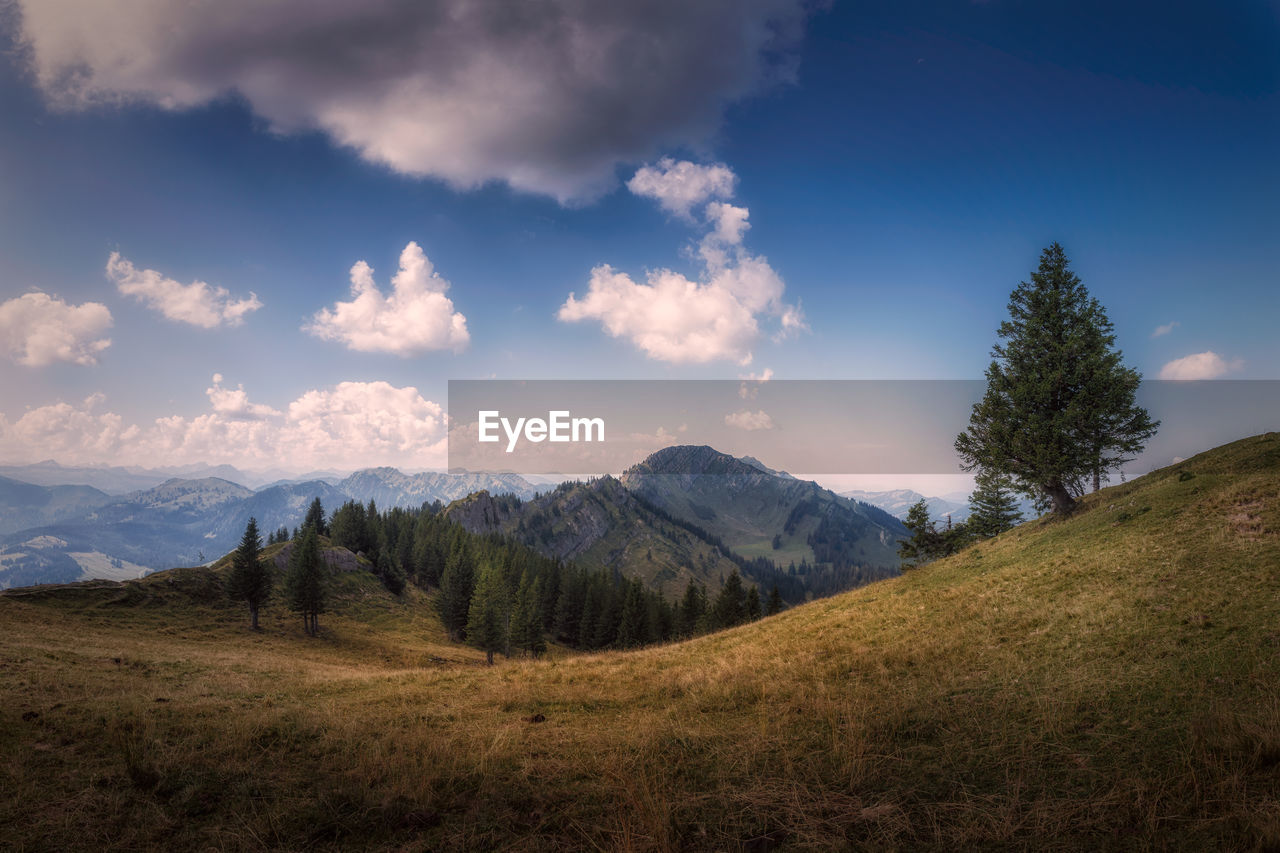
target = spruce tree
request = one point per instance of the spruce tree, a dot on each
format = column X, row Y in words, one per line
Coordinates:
column 454, row 601
column 775, row 601
column 315, row 518
column 1059, row 405
column 250, row 579
column 487, row 617
column 633, row 624
column 730, row 609
column 306, row 582
column 925, row 542
column 753, row 611
column 994, row 509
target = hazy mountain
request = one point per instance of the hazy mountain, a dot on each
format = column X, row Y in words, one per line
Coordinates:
column 898, row 501
column 389, row 487
column 113, row 480
column 24, row 505
column 747, row 505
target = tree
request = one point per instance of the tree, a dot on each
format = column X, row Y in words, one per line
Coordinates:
column 775, row 601
column 454, row 601
column 994, row 507
column 925, row 542
column 753, row 608
column 250, row 579
column 487, row 617
column 730, row 609
column 1059, row 406
column 315, row 518
column 527, row 620
column 306, row 582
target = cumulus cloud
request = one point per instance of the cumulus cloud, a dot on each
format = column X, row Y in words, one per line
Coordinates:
column 1201, row 365
column 1161, row 331
column 37, row 329
column 751, row 383
column 415, row 318
column 674, row 318
column 548, row 96
column 750, row 421
column 679, row 187
column 196, row 303
column 351, row 425
column 235, row 404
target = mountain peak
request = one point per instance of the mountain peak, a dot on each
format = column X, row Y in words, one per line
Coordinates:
column 694, row 459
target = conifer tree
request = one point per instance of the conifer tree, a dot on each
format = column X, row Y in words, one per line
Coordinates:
column 925, row 542
column 315, row 518
column 752, row 608
column 994, row 506
column 632, row 627
column 730, row 608
column 454, row 601
column 250, row 579
column 527, row 620
column 306, row 582
column 1059, row 405
column 775, row 601
column 488, row 614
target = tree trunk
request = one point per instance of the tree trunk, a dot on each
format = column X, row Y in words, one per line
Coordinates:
column 489, row 655
column 1060, row 498
column 253, row 618
column 1097, row 479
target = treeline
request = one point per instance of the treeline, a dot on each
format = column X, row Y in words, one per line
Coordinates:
column 505, row 597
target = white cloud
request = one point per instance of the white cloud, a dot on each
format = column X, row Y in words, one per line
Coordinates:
column 1201, row 365
column 549, row 97
column 197, row 303
column 416, row 318
column 1161, row 331
column 677, row 319
column 750, row 421
column 37, row 330
column 235, row 404
column 352, row 425
column 679, row 187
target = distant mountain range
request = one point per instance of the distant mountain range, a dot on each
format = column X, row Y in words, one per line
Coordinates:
column 899, row 501
column 55, row 534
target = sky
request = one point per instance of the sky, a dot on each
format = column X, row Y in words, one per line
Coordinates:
column 270, row 236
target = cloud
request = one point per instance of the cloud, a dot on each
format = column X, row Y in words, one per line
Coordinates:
column 750, row 421
column 1201, row 365
column 351, row 425
column 549, row 96
column 679, row 187
column 416, row 318
column 1161, row 331
column 235, row 404
column 37, row 330
column 197, row 303
column 751, row 382
column 681, row 320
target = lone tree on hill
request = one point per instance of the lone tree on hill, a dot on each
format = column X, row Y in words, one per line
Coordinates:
column 250, row 579
column 995, row 509
column 305, row 584
column 1059, row 407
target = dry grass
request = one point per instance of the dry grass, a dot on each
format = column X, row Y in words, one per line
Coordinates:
column 1110, row 682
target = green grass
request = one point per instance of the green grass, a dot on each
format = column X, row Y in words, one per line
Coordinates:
column 1107, row 682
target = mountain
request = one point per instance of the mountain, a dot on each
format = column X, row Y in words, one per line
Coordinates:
column 601, row 524
column 113, row 480
column 389, row 487
column 24, row 505
column 898, row 501
column 1102, row 682
column 758, row 512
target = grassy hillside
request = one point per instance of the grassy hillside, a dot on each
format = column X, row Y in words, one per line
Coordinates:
column 1108, row 682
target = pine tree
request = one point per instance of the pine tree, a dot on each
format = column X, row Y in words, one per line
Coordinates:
column 488, row 614
column 454, row 602
column 527, row 620
column 752, row 608
column 1059, row 406
column 729, row 609
column 250, row 579
column 925, row 542
column 315, row 518
column 692, row 608
column 775, row 601
column 633, row 624
column 306, row 582
column 994, row 507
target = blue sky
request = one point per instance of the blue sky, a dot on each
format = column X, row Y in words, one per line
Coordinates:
column 902, row 163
